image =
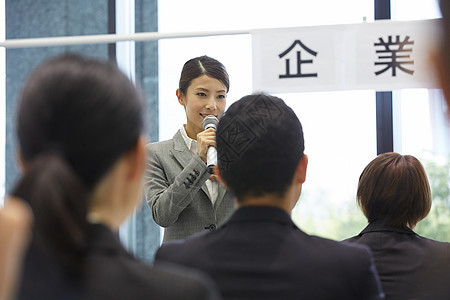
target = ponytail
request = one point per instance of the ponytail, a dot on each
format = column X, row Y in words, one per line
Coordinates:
column 59, row 202
column 68, row 102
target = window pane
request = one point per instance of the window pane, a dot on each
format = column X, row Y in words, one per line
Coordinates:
column 202, row 15
column 422, row 130
column 406, row 10
column 339, row 126
column 340, row 139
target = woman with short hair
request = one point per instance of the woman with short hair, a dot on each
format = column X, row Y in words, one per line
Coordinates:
column 394, row 195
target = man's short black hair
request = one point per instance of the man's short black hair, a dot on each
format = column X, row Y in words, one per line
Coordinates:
column 259, row 144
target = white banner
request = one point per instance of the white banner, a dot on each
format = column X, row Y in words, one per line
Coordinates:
column 383, row 56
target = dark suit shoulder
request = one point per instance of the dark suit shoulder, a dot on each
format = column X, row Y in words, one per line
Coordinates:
column 299, row 243
column 352, row 239
column 408, row 264
column 354, row 258
column 434, row 243
column 295, row 258
column 177, row 282
column 115, row 274
column 132, row 280
column 338, row 248
column 379, row 240
column 180, row 250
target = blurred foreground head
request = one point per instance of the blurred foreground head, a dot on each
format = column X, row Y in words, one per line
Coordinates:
column 77, row 117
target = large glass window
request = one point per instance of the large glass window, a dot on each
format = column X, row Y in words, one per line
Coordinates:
column 421, row 129
column 340, row 139
column 86, row 17
column 339, row 127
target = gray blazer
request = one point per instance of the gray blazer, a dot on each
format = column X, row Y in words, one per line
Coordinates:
column 176, row 191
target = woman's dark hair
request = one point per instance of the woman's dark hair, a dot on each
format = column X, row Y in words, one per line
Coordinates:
column 203, row 65
column 394, row 188
column 77, row 116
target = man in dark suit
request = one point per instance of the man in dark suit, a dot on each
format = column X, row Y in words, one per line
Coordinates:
column 259, row 253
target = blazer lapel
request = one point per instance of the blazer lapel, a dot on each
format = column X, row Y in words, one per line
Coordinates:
column 205, row 190
column 180, row 151
column 220, row 195
column 183, row 155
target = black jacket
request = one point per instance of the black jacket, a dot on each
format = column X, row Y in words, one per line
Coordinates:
column 259, row 253
column 409, row 266
column 111, row 273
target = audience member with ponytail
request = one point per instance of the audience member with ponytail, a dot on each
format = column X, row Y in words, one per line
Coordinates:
column 83, row 155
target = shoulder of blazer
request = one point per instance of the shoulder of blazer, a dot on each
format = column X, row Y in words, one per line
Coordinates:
column 434, row 243
column 176, row 143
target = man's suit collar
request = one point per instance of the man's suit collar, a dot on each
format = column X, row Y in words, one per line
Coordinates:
column 380, row 225
column 260, row 213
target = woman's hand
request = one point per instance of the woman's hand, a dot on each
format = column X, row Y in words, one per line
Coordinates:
column 15, row 233
column 205, row 139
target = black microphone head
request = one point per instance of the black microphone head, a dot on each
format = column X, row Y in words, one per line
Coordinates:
column 210, row 121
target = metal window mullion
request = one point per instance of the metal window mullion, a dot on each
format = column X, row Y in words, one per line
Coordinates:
column 384, row 115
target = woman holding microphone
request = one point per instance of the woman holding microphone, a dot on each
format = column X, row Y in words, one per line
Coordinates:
column 182, row 194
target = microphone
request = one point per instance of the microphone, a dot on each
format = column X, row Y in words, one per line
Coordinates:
column 210, row 121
